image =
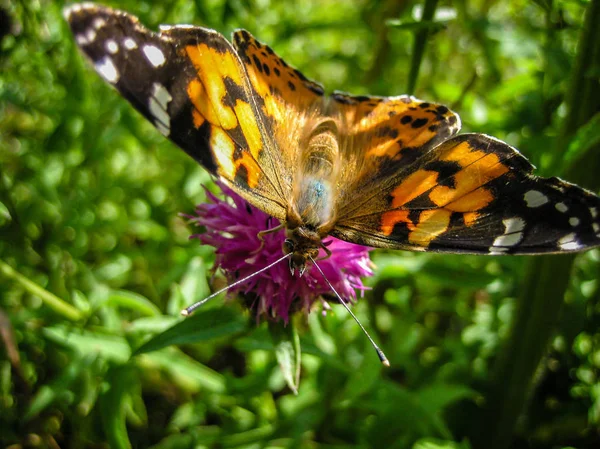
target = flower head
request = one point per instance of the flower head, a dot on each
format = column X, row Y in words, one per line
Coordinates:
column 232, row 226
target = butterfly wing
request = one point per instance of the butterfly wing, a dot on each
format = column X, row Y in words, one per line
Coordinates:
column 291, row 103
column 191, row 84
column 474, row 194
column 383, row 138
column 280, row 86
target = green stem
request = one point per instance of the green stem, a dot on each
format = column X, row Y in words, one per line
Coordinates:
column 419, row 47
column 51, row 300
column 547, row 278
column 391, row 8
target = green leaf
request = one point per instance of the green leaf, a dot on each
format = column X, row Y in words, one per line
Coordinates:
column 193, row 287
column 586, row 138
column 109, row 347
column 201, row 326
column 152, row 324
column 431, row 443
column 185, row 371
column 287, row 352
column 414, row 412
column 434, row 398
column 113, row 404
column 133, row 301
column 59, row 388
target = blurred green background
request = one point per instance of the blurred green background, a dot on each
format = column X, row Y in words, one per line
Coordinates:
column 486, row 352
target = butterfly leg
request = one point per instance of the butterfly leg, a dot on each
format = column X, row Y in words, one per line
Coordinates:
column 261, row 235
column 327, row 252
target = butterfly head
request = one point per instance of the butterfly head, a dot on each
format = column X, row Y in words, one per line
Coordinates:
column 303, row 244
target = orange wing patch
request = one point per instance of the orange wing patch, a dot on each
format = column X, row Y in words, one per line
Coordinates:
column 466, row 194
column 387, row 126
column 279, row 85
column 220, row 98
column 432, row 223
column 414, row 185
column 208, row 92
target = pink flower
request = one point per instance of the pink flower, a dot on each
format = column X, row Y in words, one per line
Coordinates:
column 231, row 226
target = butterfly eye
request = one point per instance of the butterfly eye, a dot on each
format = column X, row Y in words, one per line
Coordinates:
column 288, row 246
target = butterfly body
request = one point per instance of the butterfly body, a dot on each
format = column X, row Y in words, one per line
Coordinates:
column 385, row 172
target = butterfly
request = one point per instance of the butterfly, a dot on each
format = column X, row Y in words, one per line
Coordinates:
column 386, row 172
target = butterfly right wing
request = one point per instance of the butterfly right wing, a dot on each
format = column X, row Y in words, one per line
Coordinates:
column 190, row 83
column 474, row 194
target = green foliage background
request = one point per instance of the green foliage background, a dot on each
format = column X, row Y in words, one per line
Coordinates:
column 95, row 261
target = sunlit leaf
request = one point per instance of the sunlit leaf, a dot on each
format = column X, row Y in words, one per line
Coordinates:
column 203, row 325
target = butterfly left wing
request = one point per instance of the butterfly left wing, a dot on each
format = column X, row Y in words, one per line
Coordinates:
column 191, row 85
column 473, row 194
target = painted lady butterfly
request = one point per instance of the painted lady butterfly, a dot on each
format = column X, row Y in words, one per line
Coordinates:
column 386, row 172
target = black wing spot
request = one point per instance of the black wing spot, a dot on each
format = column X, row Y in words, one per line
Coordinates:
column 342, row 99
column 386, row 131
column 446, row 170
column 406, row 119
column 420, row 122
column 291, row 85
column 424, row 105
column 266, row 69
column 315, row 88
column 257, row 63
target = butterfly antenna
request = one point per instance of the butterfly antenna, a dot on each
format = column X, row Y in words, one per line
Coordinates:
column 189, row 310
column 379, row 352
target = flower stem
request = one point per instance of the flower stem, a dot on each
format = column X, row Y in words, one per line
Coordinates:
column 419, row 45
column 51, row 300
column 547, row 278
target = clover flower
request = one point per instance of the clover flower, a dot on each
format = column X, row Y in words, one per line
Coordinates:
column 232, row 226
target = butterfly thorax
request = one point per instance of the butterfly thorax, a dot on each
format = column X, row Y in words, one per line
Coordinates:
column 311, row 214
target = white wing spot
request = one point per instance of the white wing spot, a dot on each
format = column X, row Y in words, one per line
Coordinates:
column 164, row 130
column 594, row 212
column 68, row 11
column 513, row 232
column 81, row 40
column 91, row 35
column 158, row 108
column 154, row 55
column 158, row 112
column 574, row 221
column 129, row 43
column 176, row 27
column 561, row 207
column 99, row 23
column 569, row 243
column 161, row 94
column 497, row 251
column 112, row 47
column 596, row 227
column 107, row 69
column 535, row 198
